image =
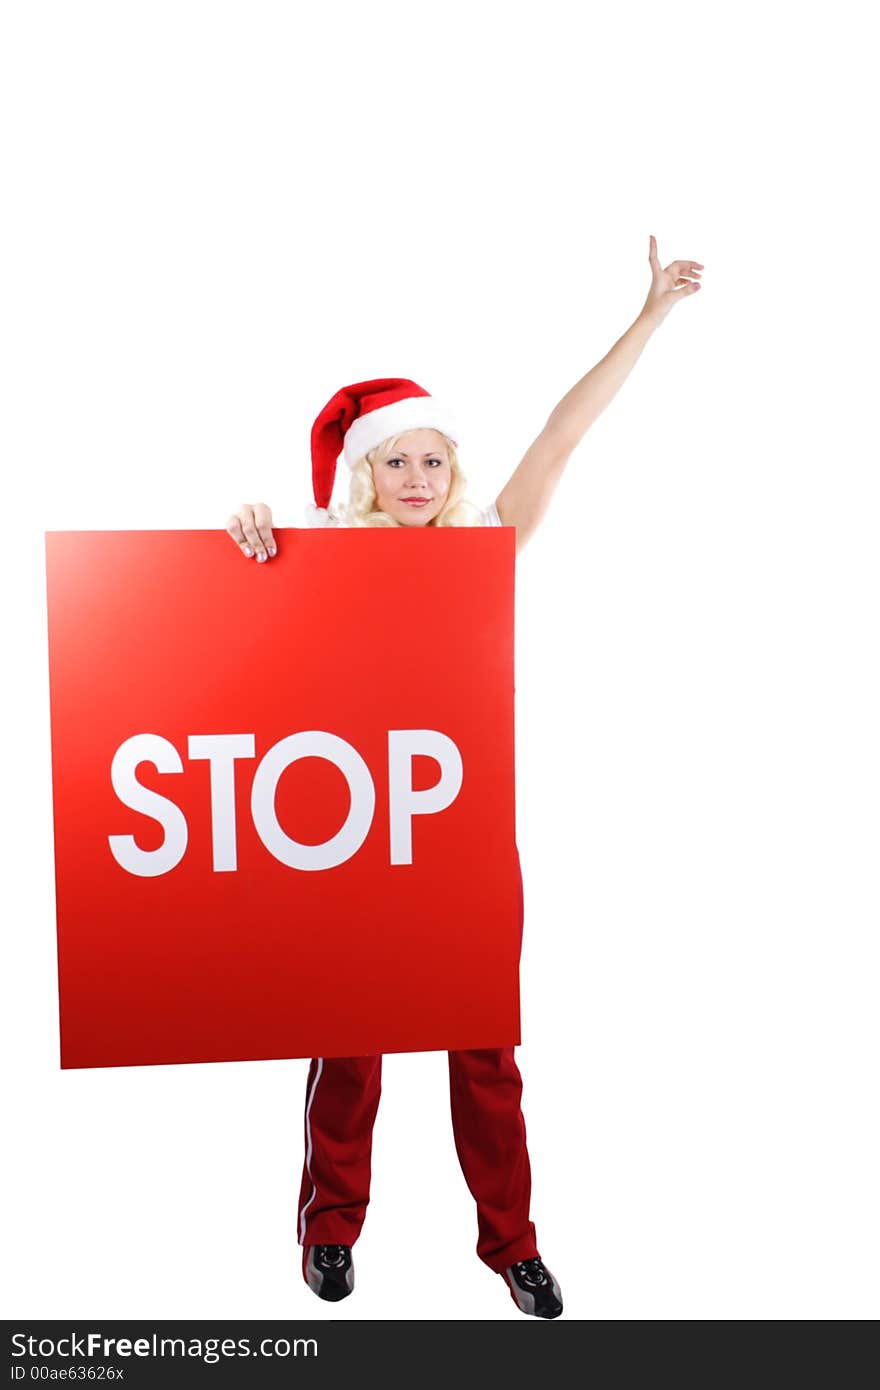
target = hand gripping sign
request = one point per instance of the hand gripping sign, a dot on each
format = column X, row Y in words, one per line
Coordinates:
column 283, row 794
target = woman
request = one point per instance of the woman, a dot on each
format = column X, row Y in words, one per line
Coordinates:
column 400, row 444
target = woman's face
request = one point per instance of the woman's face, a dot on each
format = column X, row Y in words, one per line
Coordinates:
column 418, row 468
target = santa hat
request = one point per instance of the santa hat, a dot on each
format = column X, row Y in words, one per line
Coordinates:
column 361, row 416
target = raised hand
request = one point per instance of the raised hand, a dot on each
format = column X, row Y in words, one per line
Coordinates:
column 679, row 279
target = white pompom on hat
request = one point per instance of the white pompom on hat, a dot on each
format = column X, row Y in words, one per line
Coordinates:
column 361, row 416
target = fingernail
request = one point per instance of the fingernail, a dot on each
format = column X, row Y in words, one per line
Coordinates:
column 248, row 552
column 261, row 555
column 271, row 550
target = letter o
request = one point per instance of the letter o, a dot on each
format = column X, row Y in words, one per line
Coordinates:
column 313, row 743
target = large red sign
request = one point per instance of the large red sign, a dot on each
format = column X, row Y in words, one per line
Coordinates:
column 283, row 794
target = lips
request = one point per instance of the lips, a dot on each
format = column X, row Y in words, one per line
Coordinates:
column 416, row 501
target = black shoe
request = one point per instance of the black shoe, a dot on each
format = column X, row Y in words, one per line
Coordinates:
column 329, row 1271
column 534, row 1289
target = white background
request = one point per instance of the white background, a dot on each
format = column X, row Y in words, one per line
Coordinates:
column 216, row 215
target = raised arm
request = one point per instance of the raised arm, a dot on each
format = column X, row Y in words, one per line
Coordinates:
column 525, row 498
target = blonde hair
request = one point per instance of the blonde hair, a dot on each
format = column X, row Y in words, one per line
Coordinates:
column 361, row 509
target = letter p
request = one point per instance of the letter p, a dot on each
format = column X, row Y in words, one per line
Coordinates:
column 404, row 802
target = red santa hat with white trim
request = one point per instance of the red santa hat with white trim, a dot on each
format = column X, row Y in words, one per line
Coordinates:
column 361, row 416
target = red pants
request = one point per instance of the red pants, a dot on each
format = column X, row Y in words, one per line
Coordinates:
column 485, row 1088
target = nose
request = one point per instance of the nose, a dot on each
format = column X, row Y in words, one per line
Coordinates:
column 416, row 475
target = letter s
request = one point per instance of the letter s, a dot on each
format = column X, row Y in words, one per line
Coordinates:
column 147, row 748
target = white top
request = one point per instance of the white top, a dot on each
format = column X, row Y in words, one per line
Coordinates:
column 490, row 516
